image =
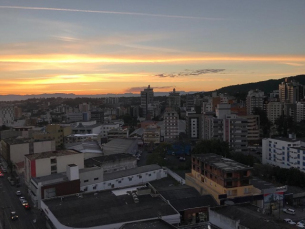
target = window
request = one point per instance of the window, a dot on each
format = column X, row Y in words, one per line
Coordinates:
column 53, row 160
column 95, row 178
column 85, row 181
column 53, row 168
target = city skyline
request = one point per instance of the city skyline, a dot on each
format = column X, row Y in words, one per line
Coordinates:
column 101, row 47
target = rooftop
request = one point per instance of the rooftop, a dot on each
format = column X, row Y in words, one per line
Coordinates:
column 149, row 224
column 221, row 163
column 249, row 216
column 130, row 172
column 104, row 208
column 182, row 197
column 15, row 141
column 261, row 184
column 99, row 161
column 119, row 145
column 285, row 139
column 49, row 154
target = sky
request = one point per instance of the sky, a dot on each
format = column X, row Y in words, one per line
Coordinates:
column 122, row 46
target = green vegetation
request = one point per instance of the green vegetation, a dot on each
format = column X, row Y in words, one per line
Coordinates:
column 290, row 176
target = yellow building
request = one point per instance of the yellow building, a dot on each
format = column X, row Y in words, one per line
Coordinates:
column 223, row 178
column 55, row 132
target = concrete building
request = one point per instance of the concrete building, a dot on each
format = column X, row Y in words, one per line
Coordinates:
column 274, row 110
column 152, row 133
column 84, row 107
column 117, row 133
column 55, row 132
column 17, row 112
column 291, row 91
column 97, row 115
column 107, row 209
column 147, row 97
column 284, row 152
column 106, row 127
column 14, row 149
column 47, row 163
column 253, row 128
column 7, row 116
column 194, row 126
column 300, row 111
column 72, row 138
column 111, row 100
column 171, row 124
column 244, row 216
column 223, row 178
column 174, row 99
column 74, row 117
column 255, row 99
column 86, row 128
column 112, row 163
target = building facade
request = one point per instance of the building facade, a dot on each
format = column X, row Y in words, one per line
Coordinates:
column 171, row 124
column 147, row 97
column 255, row 99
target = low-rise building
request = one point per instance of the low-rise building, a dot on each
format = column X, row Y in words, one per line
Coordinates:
column 223, row 178
column 107, row 209
column 47, row 163
column 121, row 145
column 152, row 133
column 284, row 152
column 117, row 133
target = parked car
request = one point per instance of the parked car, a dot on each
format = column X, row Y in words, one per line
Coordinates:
column 14, row 216
column 289, row 211
column 24, row 202
column 289, row 221
column 181, row 158
column 18, row 193
column 300, row 225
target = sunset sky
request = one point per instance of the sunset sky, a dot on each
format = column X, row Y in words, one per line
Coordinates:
column 99, row 46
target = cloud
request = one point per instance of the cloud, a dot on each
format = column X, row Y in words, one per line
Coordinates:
column 138, row 89
column 108, row 12
column 188, row 72
column 294, row 64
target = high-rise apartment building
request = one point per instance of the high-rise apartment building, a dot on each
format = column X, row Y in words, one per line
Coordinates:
column 255, row 99
column 174, row 99
column 274, row 110
column 291, row 91
column 171, row 124
column 147, row 97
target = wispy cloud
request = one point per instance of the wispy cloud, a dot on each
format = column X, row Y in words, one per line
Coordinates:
column 294, row 64
column 108, row 12
column 188, row 72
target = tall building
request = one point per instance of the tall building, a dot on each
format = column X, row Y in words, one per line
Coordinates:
column 255, row 99
column 97, row 115
column 291, row 91
column 194, row 126
column 147, row 97
column 85, row 107
column 300, row 112
column 174, row 99
column 274, row 110
column 221, row 177
column 171, row 124
column 7, row 115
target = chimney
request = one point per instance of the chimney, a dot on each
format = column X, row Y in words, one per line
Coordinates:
column 72, row 172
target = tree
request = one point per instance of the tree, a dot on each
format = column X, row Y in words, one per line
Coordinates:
column 265, row 124
column 212, row 146
column 284, row 124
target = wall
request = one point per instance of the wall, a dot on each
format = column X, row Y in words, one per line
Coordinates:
column 63, row 161
column 18, row 151
column 43, row 167
column 222, row 221
column 44, row 146
column 136, row 179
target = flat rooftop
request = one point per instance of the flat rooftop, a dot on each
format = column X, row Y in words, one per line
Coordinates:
column 250, row 217
column 49, row 154
column 99, row 161
column 149, row 224
column 15, row 141
column 284, row 139
column 130, row 172
column 222, row 163
column 261, row 184
column 104, row 208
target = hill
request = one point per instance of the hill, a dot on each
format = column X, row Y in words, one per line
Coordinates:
column 267, row 86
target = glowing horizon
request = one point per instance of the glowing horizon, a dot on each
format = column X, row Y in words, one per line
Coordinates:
column 99, row 48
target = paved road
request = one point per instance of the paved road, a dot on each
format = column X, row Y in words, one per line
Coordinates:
column 10, row 202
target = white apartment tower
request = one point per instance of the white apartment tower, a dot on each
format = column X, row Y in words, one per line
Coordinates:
column 255, row 98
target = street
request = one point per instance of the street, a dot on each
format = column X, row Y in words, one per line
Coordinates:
column 9, row 202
